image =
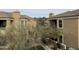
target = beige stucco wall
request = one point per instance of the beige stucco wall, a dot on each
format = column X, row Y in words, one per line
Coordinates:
column 31, row 24
column 78, row 31
column 16, row 20
column 71, row 32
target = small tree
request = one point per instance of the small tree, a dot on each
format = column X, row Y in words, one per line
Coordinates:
column 45, row 32
column 20, row 37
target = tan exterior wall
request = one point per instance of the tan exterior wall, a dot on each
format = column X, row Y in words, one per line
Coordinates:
column 31, row 24
column 78, row 31
column 16, row 20
column 13, row 25
column 71, row 32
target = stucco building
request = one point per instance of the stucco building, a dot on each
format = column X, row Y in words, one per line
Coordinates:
column 68, row 24
column 11, row 20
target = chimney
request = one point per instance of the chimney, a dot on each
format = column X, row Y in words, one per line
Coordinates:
column 51, row 15
column 16, row 21
column 16, row 14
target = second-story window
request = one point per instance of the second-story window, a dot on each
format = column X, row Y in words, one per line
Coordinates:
column 60, row 23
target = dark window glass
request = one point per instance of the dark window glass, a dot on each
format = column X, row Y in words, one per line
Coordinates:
column 60, row 39
column 60, row 23
column 2, row 23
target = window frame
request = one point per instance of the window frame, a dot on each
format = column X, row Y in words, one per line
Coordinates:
column 62, row 39
column 3, row 24
column 58, row 23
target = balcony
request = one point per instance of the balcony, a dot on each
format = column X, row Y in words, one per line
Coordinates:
column 53, row 24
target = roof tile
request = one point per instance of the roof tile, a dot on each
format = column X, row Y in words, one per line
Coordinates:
column 68, row 13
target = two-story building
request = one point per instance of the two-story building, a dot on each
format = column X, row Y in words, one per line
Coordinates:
column 68, row 24
column 15, row 20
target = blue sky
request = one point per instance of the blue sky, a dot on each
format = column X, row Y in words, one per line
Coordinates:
column 37, row 12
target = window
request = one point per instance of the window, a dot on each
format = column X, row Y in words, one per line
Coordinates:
column 61, row 40
column 60, row 24
column 53, row 23
column 2, row 23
